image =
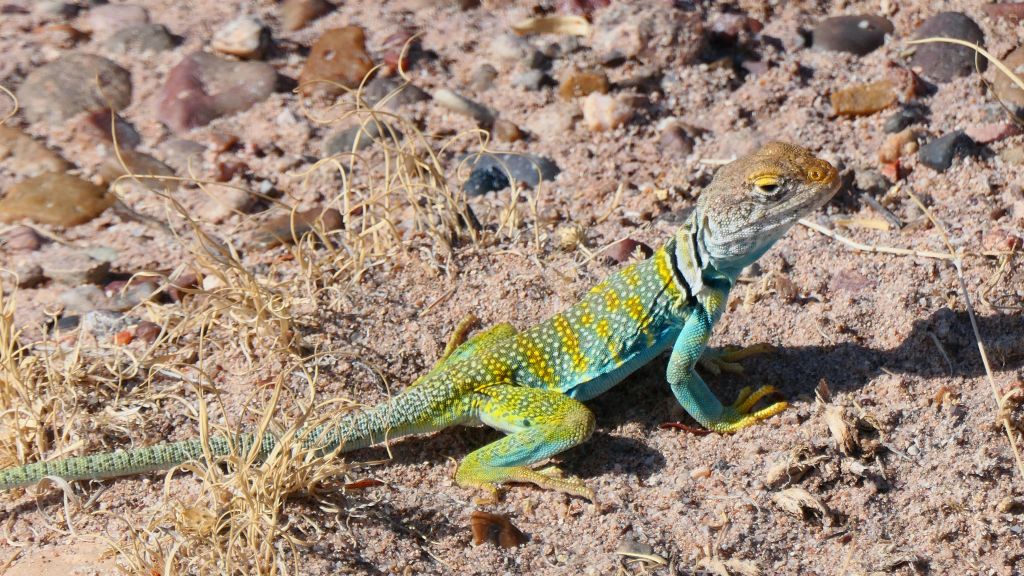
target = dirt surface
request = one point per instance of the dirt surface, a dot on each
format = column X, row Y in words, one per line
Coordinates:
column 929, row 485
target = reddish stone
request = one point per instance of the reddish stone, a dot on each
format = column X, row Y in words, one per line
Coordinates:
column 338, row 57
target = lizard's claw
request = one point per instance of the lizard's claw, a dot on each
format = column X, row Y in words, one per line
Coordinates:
column 739, row 415
column 727, row 359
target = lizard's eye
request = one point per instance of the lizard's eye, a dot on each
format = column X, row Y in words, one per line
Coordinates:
column 816, row 175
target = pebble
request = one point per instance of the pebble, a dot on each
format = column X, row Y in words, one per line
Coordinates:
column 940, row 152
column 21, row 239
column 245, row 37
column 74, row 267
column 96, row 125
column 511, row 50
column 104, row 20
column 649, row 31
column 54, row 198
column 29, row 274
column 67, row 86
column 295, row 14
column 675, row 140
column 871, row 181
column 1007, row 90
column 863, row 99
column 60, row 35
column 907, row 115
column 147, row 331
column 531, row 80
column 1010, row 11
column 580, row 84
column 483, row 78
column 125, row 294
column 942, row 62
column 337, row 57
column 492, row 172
column 203, row 87
column 902, row 143
column 358, row 137
column 284, row 229
column 857, row 34
column 462, row 105
column 989, row 133
column 624, row 249
column 81, row 300
column 506, row 131
column 398, row 94
column 102, row 324
column 139, row 164
column 28, row 157
column 141, row 38
column 222, row 202
column 605, row 112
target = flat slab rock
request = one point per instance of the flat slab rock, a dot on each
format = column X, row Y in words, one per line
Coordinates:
column 55, row 198
column 72, row 84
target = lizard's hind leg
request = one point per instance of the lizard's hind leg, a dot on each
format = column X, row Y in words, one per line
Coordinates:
column 540, row 423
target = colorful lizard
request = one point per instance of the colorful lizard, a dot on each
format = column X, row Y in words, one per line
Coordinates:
column 531, row 385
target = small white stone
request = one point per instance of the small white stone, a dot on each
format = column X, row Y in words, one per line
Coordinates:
column 605, row 112
column 245, row 37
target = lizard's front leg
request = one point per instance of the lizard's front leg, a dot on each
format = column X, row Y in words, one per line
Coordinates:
column 693, row 394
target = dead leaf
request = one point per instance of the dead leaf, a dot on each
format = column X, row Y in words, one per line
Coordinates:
column 800, row 503
column 633, row 549
column 842, row 429
column 869, row 223
column 494, row 528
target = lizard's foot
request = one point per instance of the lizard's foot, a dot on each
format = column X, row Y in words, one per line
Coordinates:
column 549, row 478
column 740, row 414
column 727, row 359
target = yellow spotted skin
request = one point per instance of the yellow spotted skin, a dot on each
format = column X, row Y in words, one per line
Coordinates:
column 532, row 384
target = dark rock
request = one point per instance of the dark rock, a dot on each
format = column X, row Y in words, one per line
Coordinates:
column 203, row 87
column 141, row 38
column 904, row 117
column 72, row 84
column 939, row 153
column 55, row 198
column 98, row 123
column 941, row 61
column 493, row 172
column 857, row 34
column 338, row 57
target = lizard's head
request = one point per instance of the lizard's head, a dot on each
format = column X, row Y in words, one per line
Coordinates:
column 754, row 200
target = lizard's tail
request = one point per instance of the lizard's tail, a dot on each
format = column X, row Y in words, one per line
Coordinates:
column 392, row 419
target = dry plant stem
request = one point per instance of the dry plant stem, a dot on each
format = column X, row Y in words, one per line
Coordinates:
column 957, row 265
column 14, row 99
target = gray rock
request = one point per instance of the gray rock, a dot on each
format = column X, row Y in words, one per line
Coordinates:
column 940, row 152
column 871, row 181
column 381, row 87
column 74, row 267
column 141, row 38
column 102, row 324
column 359, row 136
column 72, row 84
column 942, row 62
column 856, row 34
column 29, row 274
column 493, row 172
column 106, row 19
column 531, row 80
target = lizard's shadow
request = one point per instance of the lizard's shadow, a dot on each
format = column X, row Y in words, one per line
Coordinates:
column 938, row 346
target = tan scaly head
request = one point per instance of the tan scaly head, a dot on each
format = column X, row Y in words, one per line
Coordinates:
column 754, row 200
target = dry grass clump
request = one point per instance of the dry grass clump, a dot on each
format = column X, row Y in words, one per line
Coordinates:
column 393, row 197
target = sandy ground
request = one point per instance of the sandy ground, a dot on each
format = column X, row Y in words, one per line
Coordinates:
column 889, row 334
